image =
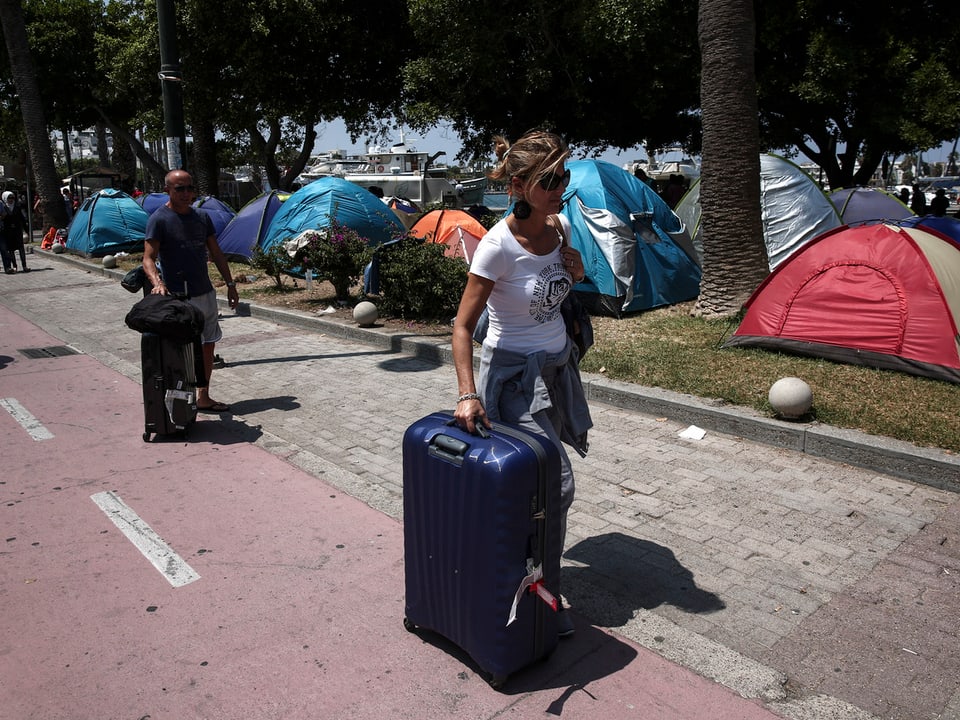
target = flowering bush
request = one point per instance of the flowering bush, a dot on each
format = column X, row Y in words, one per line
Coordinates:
column 337, row 254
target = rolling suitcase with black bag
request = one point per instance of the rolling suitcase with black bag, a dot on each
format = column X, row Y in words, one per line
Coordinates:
column 171, row 358
column 482, row 540
column 170, row 371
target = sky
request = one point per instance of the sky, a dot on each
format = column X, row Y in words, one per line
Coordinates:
column 333, row 136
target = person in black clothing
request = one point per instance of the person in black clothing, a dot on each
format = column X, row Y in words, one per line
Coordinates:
column 918, row 201
column 13, row 229
column 940, row 203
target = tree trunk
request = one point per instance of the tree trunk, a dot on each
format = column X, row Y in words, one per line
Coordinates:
column 206, row 170
column 146, row 158
column 300, row 162
column 31, row 107
column 123, row 161
column 103, row 152
column 734, row 251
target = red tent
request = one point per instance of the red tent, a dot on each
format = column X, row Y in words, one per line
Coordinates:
column 877, row 295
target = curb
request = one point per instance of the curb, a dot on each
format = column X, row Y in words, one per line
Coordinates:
column 926, row 466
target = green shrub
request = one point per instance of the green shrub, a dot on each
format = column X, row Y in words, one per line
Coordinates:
column 419, row 282
column 337, row 254
column 274, row 262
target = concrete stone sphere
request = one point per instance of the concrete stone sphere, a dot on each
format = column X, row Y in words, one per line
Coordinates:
column 791, row 397
column 109, row 261
column 58, row 248
column 365, row 313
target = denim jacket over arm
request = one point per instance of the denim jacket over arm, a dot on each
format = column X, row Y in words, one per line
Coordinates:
column 565, row 391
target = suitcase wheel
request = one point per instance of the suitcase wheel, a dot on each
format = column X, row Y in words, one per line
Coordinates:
column 408, row 625
column 146, row 437
column 496, row 681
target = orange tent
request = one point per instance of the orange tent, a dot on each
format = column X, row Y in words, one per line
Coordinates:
column 457, row 229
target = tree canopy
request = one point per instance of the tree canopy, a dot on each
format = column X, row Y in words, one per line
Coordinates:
column 604, row 73
column 870, row 79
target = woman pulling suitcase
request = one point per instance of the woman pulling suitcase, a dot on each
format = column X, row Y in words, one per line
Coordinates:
column 521, row 273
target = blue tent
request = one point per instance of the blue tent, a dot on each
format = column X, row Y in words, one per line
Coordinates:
column 220, row 213
column 867, row 204
column 635, row 251
column 249, row 226
column 151, row 201
column 107, row 222
column 313, row 206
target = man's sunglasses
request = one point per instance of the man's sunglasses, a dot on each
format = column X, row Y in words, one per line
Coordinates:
column 553, row 181
column 183, row 188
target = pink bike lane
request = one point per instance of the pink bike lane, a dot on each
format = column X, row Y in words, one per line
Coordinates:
column 274, row 594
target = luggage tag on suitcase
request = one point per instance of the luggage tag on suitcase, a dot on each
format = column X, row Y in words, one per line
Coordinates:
column 533, row 582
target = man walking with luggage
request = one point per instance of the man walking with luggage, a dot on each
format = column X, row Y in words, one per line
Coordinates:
column 182, row 239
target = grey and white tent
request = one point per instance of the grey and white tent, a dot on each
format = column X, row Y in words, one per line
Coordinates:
column 794, row 209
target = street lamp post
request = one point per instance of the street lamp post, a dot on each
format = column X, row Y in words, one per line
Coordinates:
column 170, row 82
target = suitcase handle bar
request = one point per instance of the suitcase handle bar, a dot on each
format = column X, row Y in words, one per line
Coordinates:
column 481, row 429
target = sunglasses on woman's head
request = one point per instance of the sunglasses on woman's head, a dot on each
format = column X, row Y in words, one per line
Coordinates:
column 552, row 181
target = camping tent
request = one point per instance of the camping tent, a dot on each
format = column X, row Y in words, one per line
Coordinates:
column 220, row 213
column 631, row 242
column 457, row 229
column 877, row 295
column 314, row 206
column 151, row 201
column 406, row 210
column 249, row 226
column 107, row 222
column 793, row 208
column 868, row 204
column 947, row 226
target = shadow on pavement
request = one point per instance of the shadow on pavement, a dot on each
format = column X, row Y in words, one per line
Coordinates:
column 640, row 573
column 303, row 358
column 588, row 656
column 255, row 405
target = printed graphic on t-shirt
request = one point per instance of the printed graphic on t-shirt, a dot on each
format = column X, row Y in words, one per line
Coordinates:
column 551, row 287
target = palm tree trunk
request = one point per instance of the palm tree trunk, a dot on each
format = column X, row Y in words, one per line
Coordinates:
column 734, row 252
column 31, row 107
column 206, row 170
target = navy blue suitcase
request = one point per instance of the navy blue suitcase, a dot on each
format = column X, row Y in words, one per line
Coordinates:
column 482, row 541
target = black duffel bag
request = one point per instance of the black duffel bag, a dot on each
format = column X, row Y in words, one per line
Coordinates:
column 167, row 316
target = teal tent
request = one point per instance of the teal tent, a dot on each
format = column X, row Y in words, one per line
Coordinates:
column 108, row 222
column 313, row 206
column 635, row 251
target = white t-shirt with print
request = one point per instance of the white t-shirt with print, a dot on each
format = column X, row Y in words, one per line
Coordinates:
column 524, row 306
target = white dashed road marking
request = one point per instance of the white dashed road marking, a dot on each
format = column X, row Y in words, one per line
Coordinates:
column 171, row 566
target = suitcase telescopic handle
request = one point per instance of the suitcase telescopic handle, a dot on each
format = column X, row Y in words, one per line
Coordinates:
column 448, row 448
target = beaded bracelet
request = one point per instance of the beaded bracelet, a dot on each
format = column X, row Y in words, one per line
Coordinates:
column 467, row 396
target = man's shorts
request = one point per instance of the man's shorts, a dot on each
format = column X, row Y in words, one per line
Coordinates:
column 207, row 304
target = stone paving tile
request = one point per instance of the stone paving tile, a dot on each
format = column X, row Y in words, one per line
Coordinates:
column 783, row 557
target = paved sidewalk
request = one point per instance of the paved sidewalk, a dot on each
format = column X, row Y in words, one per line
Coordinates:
column 822, row 589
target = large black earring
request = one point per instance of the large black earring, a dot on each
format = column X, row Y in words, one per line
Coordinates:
column 521, row 210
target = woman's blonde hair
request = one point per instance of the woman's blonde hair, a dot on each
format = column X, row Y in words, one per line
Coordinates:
column 531, row 157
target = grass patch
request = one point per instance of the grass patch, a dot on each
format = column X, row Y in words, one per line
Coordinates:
column 669, row 349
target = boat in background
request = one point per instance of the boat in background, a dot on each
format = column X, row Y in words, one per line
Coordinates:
column 399, row 171
column 659, row 171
